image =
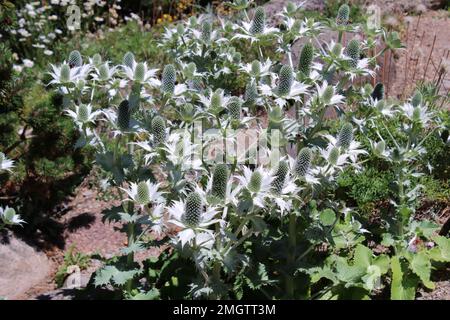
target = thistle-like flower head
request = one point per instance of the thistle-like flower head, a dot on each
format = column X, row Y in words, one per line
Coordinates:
column 303, row 162
column 144, row 193
column 168, row 79
column 259, row 21
column 5, row 163
column 306, row 58
column 158, row 126
column 220, row 181
column 75, row 59
column 343, row 14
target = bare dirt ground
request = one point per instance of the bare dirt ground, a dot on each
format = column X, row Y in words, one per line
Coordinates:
column 85, row 230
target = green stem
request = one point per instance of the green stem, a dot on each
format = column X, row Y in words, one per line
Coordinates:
column 291, row 256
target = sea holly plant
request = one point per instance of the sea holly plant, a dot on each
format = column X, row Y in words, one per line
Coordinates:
column 416, row 245
column 227, row 160
column 8, row 216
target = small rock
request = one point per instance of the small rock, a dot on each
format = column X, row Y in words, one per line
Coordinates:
column 21, row 267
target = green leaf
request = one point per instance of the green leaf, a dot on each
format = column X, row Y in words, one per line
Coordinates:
column 347, row 273
column 373, row 277
column 363, row 256
column 382, row 262
column 387, row 240
column 121, row 277
column 421, row 266
column 403, row 286
column 444, row 247
column 327, row 217
column 153, row 294
column 133, row 248
column 104, row 275
column 258, row 223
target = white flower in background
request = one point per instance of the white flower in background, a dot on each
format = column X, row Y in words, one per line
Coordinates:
column 191, row 216
column 362, row 69
column 144, row 193
column 17, row 68
column 83, row 114
column 258, row 182
column 384, row 108
column 28, row 63
column 9, row 217
column 5, row 163
column 48, row 52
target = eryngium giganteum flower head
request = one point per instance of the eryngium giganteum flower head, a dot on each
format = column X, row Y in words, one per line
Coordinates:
column 158, row 126
column 343, row 14
column 220, row 181
column 234, row 108
column 206, row 31
column 251, row 93
column 353, row 51
column 345, row 136
column 286, row 78
column 168, row 79
column 416, row 100
column 280, row 176
column 75, row 59
column 128, row 59
column 259, row 21
column 303, row 162
column 123, row 115
column 306, row 58
column 193, row 209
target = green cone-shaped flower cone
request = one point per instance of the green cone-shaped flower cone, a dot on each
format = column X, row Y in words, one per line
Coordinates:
column 193, row 209
column 286, row 78
column 128, row 59
column 168, row 79
column 75, row 59
column 345, row 136
column 303, row 162
column 259, row 21
column 220, row 181
column 158, row 130
column 143, row 193
column 306, row 58
column 353, row 50
column 280, row 176
column 343, row 14
column 123, row 115
column 206, row 31
column 234, row 108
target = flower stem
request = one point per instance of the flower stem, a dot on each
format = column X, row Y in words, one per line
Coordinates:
column 291, row 256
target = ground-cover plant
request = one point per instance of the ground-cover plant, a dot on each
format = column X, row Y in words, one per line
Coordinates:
column 73, row 260
column 234, row 160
